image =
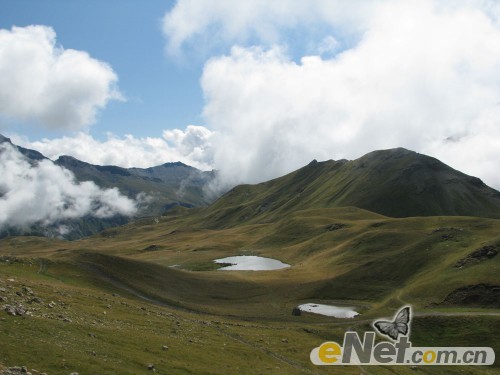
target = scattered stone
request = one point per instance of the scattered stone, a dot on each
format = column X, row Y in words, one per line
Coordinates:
column 451, row 229
column 335, row 226
column 296, row 311
column 480, row 295
column 3, row 290
column 484, row 253
column 19, row 294
column 18, row 310
column 35, row 300
column 17, row 370
column 51, row 305
column 152, row 248
column 151, row 367
column 28, row 291
column 165, row 347
column 285, row 341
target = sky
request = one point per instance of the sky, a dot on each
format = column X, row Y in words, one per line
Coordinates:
column 254, row 89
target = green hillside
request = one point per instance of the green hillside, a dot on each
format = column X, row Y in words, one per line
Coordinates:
column 395, row 183
column 341, row 256
column 125, row 293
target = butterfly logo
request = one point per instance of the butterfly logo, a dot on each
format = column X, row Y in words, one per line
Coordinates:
column 400, row 325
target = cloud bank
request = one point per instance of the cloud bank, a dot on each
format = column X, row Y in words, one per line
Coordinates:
column 374, row 75
column 417, row 74
column 191, row 146
column 44, row 83
column 45, row 193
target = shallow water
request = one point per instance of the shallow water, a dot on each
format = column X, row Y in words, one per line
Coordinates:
column 251, row 263
column 328, row 310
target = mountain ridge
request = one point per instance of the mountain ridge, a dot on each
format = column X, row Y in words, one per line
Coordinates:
column 168, row 185
column 394, row 182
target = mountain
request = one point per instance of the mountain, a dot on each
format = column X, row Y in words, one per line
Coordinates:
column 167, row 186
column 32, row 155
column 395, row 182
column 172, row 184
column 157, row 280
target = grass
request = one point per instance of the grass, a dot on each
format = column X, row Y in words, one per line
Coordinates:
column 125, row 303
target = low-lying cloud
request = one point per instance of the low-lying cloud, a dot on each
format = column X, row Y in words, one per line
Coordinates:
column 191, row 146
column 44, row 193
column 44, row 83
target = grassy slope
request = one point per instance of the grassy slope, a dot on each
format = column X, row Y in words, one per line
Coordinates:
column 374, row 262
column 396, row 183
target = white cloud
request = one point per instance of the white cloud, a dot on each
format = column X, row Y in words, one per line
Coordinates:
column 210, row 24
column 191, row 146
column 42, row 82
column 422, row 72
column 45, row 193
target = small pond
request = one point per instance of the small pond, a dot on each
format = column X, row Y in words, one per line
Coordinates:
column 250, row 263
column 328, row 310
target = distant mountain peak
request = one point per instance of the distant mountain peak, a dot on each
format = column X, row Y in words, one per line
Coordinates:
column 175, row 164
column 4, row 139
column 395, row 182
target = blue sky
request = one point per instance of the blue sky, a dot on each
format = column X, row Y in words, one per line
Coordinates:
column 254, row 89
column 160, row 91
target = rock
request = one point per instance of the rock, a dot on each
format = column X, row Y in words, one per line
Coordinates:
column 284, row 341
column 10, row 310
column 35, row 300
column 151, row 367
column 20, row 310
column 51, row 305
column 3, row 290
column 16, row 370
column 165, row 347
column 481, row 295
column 484, row 253
column 28, row 291
column 296, row 311
column 335, row 226
column 151, row 248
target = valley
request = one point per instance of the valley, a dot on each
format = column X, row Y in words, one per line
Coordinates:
column 149, row 293
column 242, row 321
